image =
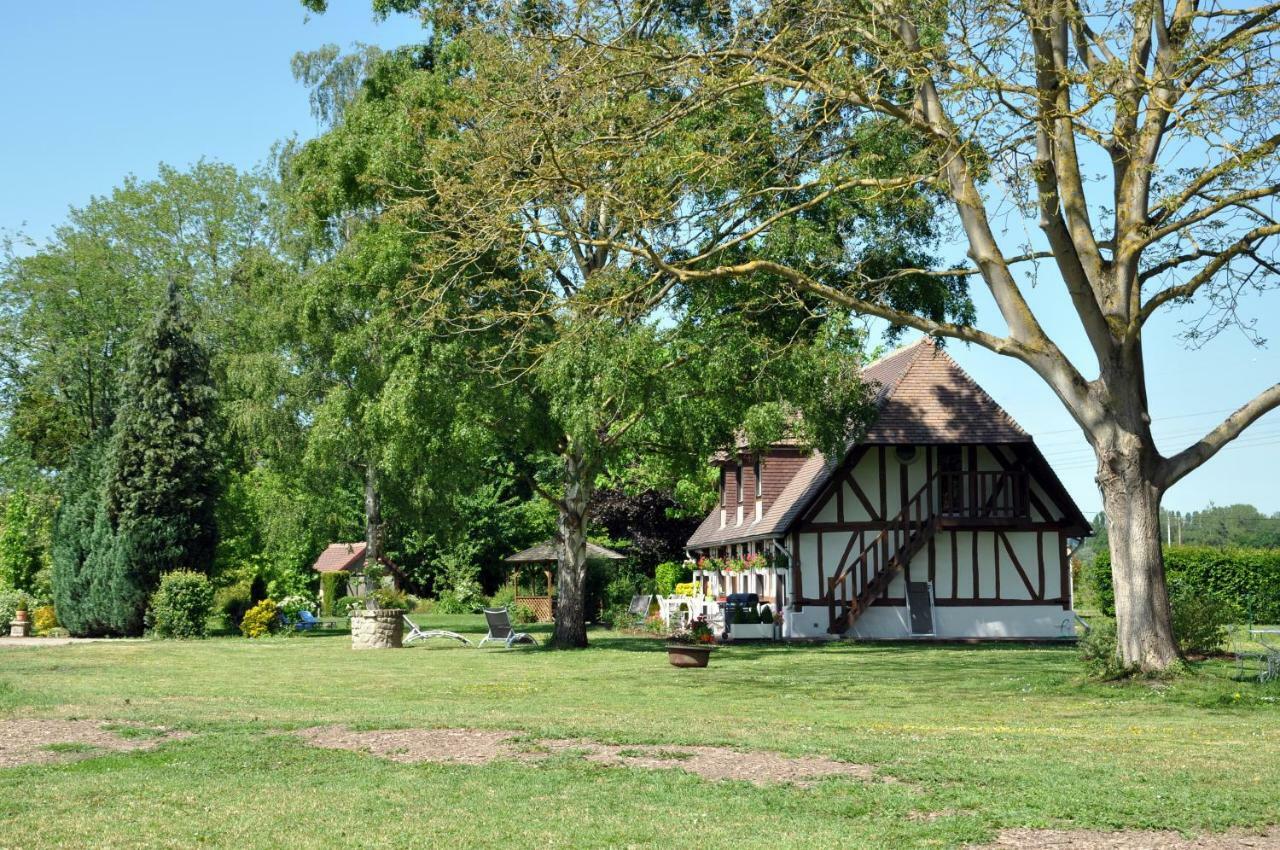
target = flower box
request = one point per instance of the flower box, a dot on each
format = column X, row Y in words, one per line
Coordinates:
column 751, row 631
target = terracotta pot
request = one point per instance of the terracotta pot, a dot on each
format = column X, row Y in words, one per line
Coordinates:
column 20, row 616
column 688, row 655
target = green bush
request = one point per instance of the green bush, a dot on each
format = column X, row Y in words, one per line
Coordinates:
column 618, row 617
column 1200, row 619
column 232, row 602
column 389, row 597
column 343, row 604
column 9, row 602
column 1099, row 650
column 449, row 602
column 766, row 615
column 668, row 574
column 180, row 607
column 1247, row 579
column 523, row 614
column 262, row 619
column 505, row 597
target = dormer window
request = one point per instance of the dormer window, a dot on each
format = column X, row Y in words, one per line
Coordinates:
column 724, row 494
column 739, row 476
column 759, row 484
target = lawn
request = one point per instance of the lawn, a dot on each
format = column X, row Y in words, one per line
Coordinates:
column 972, row 740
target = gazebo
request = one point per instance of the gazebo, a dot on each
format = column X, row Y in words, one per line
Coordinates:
column 545, row 553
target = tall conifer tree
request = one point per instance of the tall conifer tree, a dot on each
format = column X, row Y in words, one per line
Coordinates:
column 162, row 481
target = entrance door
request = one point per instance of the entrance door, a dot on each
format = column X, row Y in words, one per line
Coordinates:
column 920, row 607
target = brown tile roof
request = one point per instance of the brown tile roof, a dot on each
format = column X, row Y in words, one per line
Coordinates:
column 923, row 397
column 338, row 557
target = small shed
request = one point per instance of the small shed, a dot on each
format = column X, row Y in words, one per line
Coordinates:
column 545, row 553
column 348, row 558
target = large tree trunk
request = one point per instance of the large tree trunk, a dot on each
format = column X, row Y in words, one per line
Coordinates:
column 571, row 578
column 1143, row 617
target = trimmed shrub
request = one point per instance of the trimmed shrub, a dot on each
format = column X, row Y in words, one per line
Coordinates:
column 261, row 620
column 44, row 619
column 766, row 615
column 1248, row 579
column 329, row 593
column 9, row 602
column 523, row 614
column 181, row 606
column 669, row 574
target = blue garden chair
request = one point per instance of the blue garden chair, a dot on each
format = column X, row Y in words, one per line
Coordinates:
column 306, row 621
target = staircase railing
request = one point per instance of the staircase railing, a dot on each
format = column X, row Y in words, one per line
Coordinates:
column 876, row 564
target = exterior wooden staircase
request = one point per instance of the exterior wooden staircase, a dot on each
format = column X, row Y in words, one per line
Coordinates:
column 880, row 560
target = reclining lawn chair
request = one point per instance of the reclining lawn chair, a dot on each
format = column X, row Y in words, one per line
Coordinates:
column 500, row 628
column 306, row 621
column 416, row 633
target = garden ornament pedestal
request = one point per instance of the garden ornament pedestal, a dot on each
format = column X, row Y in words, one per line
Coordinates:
column 21, row 627
column 380, row 628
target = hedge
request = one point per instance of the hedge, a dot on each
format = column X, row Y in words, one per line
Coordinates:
column 1248, row 578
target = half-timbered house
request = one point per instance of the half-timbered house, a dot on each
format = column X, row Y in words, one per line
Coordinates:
column 943, row 521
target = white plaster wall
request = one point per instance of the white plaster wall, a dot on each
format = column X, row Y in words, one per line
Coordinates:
column 1002, row 621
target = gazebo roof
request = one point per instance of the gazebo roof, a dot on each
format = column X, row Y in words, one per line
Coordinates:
column 546, row 551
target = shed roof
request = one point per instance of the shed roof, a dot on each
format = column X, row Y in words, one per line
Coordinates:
column 339, row 557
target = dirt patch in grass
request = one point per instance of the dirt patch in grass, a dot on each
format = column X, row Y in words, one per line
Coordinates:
column 24, row 741
column 1087, row 839
column 475, row 746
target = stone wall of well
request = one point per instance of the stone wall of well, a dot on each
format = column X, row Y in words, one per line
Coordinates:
column 377, row 629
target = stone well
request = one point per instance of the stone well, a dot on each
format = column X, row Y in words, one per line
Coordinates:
column 381, row 628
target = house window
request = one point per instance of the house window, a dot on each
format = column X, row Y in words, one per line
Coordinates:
column 759, row 483
column 723, row 489
column 739, row 483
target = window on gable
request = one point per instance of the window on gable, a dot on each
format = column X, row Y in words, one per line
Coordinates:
column 759, row 483
column 739, row 482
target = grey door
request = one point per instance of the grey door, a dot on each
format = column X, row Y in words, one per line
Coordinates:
column 920, row 605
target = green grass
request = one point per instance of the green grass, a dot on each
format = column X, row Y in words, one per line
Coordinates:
column 989, row 736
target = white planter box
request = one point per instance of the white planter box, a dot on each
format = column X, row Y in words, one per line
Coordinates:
column 751, row 631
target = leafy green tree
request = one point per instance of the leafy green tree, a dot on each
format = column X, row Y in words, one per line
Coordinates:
column 573, row 373
column 20, row 554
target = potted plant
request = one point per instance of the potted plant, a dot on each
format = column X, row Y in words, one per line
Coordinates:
column 691, row 646
column 21, row 625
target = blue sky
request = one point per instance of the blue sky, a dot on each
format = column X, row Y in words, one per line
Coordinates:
column 95, row 91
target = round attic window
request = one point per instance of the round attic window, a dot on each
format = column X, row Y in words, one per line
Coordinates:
column 906, row 454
